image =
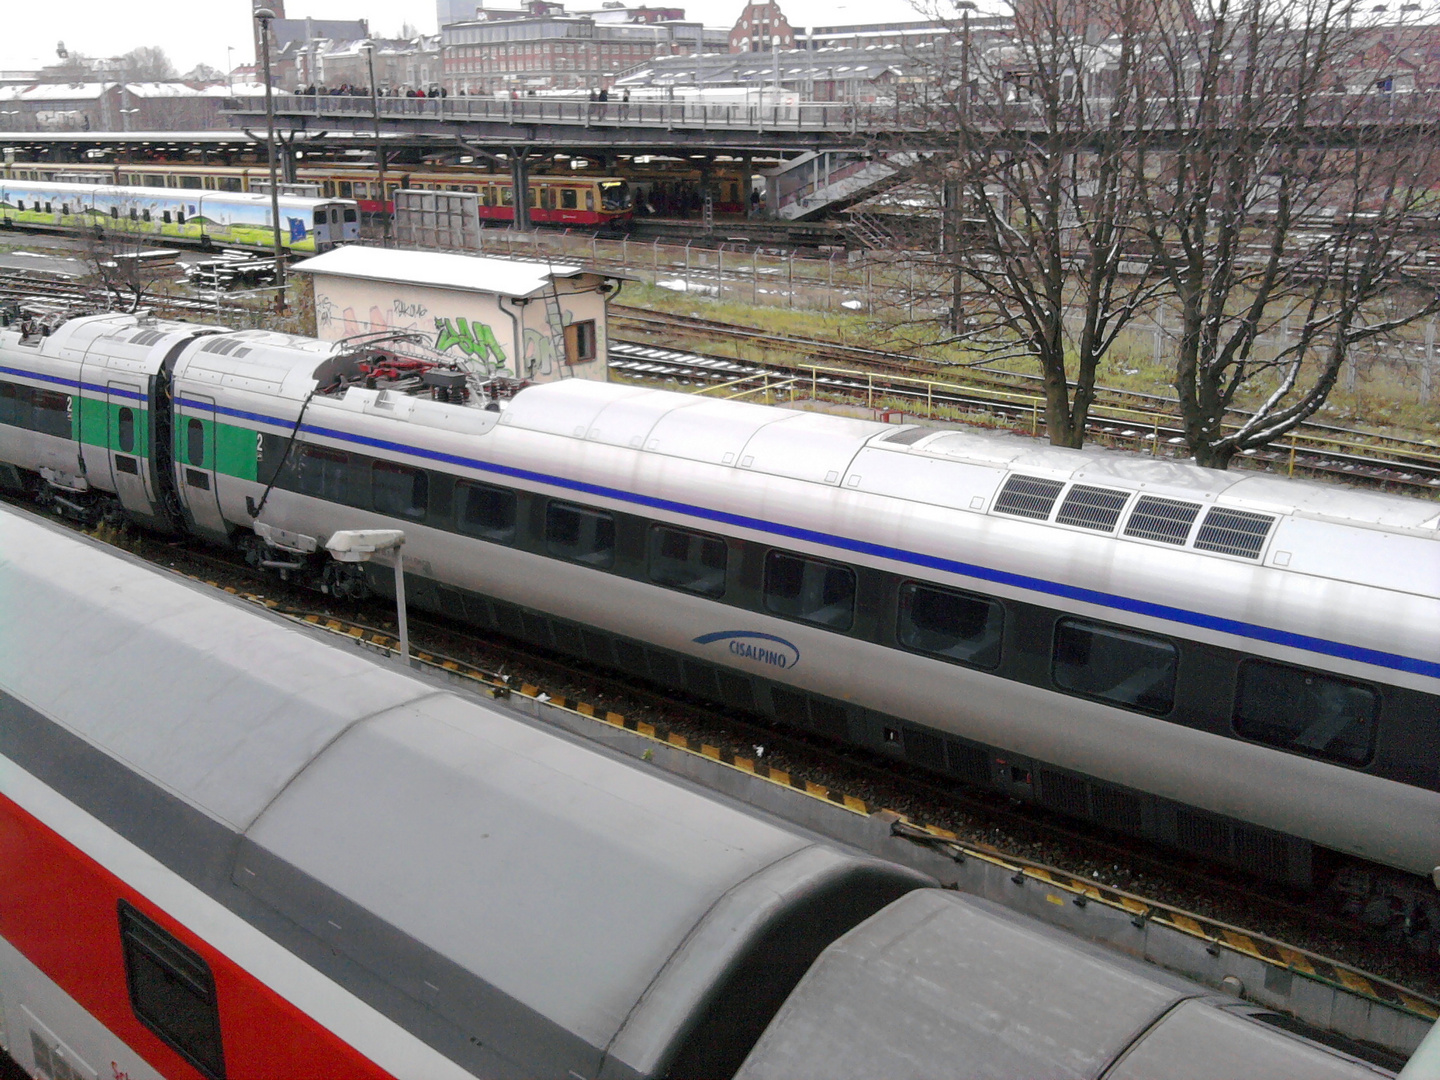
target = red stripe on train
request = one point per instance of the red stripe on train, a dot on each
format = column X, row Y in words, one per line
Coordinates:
column 59, row 908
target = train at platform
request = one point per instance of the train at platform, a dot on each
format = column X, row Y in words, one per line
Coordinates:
column 232, row 219
column 1243, row 667
column 282, row 856
column 560, row 200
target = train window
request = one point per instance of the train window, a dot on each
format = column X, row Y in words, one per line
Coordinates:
column 589, row 198
column 399, row 491
column 349, row 215
column 165, row 216
column 210, row 183
column 125, row 430
column 325, row 474
column 180, row 217
column 569, row 199
column 134, row 214
column 1306, row 712
column 195, row 442
column 1160, row 519
column 172, row 991
column 190, row 182
column 1091, row 507
column 580, row 341
column 507, row 196
column 487, row 196
column 319, row 217
column 114, row 211
column 346, row 187
column 949, row 624
column 229, row 183
column 687, row 560
column 64, row 208
column 144, row 215
column 11, row 402
column 50, row 413
column 329, row 189
column 1115, row 665
column 47, row 206
column 580, row 534
column 485, row 511
column 533, row 195
column 1028, row 497
column 818, row 592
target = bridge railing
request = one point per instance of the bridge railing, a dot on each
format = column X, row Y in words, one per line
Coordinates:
column 822, row 116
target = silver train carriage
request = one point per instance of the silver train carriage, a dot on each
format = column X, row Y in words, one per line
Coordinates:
column 229, row 218
column 1242, row 666
column 281, row 856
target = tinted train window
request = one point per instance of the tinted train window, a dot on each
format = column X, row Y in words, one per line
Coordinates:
column 953, row 625
column 817, row 592
column 569, row 199
column 195, row 442
column 172, row 992
column 580, row 534
column 399, row 491
column 324, row 473
column 50, row 413
column 350, row 215
column 1115, row 665
column 485, row 511
column 126, row 430
column 1306, row 712
column 687, row 560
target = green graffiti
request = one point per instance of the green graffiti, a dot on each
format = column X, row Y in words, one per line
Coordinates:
column 473, row 339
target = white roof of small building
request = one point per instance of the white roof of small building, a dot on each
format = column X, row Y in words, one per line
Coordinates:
column 466, row 273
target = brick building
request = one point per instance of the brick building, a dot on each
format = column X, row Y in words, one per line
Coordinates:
column 760, row 27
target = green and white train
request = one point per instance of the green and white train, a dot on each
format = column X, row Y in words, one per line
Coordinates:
column 229, row 218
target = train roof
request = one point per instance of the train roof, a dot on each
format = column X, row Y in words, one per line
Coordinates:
column 533, row 882
column 120, row 192
column 940, row 985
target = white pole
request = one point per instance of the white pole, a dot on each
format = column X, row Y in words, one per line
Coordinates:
column 400, row 608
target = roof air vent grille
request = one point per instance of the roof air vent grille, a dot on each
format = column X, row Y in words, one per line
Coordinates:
column 1092, row 507
column 1028, row 496
column 909, row 436
column 1234, row 532
column 1166, row 520
column 221, row 345
column 148, row 337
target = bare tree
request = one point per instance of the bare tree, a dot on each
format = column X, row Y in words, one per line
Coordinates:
column 1039, row 123
column 1285, row 206
column 204, row 73
column 115, row 247
column 148, row 63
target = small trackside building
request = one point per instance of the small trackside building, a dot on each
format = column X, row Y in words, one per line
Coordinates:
column 504, row 317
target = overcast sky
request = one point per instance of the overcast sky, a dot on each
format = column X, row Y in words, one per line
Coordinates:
column 196, row 31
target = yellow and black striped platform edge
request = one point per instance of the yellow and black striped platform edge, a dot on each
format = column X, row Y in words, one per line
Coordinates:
column 1067, row 887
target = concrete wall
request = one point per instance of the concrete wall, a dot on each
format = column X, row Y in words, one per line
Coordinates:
column 470, row 327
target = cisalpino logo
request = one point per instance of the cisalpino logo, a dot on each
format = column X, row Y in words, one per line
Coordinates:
column 755, row 646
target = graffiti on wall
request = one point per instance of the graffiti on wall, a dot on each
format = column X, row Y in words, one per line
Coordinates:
column 475, row 340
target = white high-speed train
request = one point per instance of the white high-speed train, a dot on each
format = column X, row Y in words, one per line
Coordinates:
column 1242, row 666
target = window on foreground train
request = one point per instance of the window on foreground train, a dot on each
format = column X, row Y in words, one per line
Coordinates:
column 1305, row 712
column 172, row 991
column 951, row 625
column 1115, row 665
column 485, row 511
column 125, row 425
column 580, row 534
column 687, row 560
column 195, row 442
column 398, row 490
column 818, row 592
column 325, row 474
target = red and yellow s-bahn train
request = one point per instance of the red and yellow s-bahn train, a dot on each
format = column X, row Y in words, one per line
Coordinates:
column 595, row 201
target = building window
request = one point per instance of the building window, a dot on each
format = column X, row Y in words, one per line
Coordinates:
column 817, row 592
column 172, row 992
column 951, row 625
column 1306, row 712
column 399, row 491
column 1115, row 665
column 580, row 534
column 580, row 341
column 681, row 559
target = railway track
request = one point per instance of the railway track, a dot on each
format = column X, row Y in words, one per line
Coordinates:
column 1214, row 903
column 922, row 389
